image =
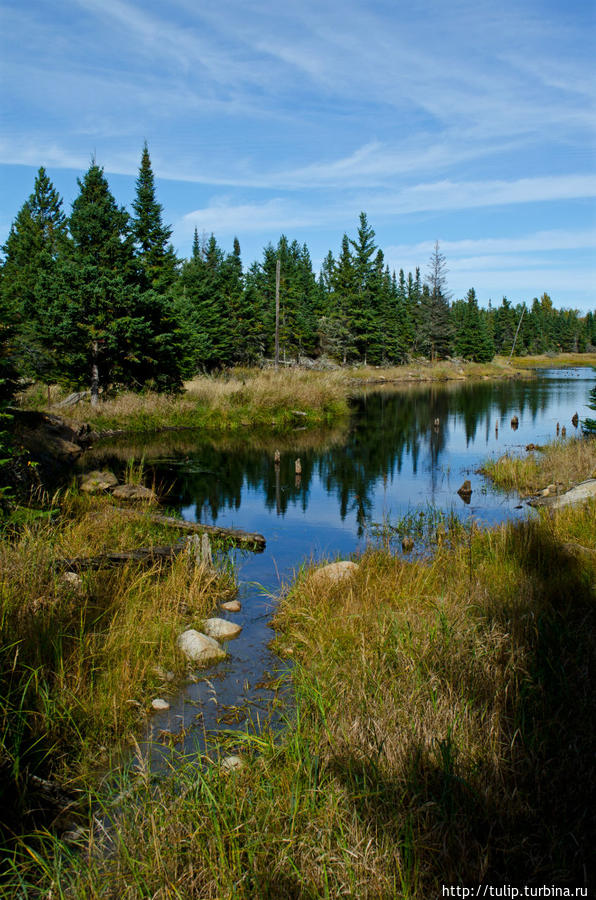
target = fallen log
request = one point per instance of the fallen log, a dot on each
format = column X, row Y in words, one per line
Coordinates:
column 237, row 537
column 149, row 555
column 152, row 555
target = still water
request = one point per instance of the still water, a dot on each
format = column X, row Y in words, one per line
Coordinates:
column 393, row 459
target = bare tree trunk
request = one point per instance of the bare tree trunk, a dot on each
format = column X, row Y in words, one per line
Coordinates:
column 94, row 374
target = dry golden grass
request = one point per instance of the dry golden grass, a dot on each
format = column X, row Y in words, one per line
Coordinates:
column 563, row 463
column 560, row 360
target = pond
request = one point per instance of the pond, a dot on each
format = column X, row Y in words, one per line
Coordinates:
column 403, row 452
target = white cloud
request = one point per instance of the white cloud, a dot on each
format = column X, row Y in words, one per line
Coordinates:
column 541, row 241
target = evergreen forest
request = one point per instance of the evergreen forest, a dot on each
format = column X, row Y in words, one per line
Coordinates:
column 99, row 298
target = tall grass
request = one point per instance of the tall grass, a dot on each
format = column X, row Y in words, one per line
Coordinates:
column 243, row 398
column 441, row 735
column 562, row 463
column 77, row 658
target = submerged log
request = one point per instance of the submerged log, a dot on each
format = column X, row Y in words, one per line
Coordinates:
column 152, row 555
column 237, row 537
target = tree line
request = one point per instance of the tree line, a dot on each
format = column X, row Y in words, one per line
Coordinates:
column 99, row 298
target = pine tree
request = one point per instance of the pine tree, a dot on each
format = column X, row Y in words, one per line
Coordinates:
column 338, row 329
column 155, row 254
column 364, row 311
column 37, row 238
column 204, row 306
column 472, row 340
column 434, row 320
column 106, row 329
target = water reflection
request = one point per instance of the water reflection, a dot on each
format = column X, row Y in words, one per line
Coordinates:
column 402, row 451
column 403, row 448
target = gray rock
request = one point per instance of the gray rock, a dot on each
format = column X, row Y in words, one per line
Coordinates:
column 337, row 571
column 96, row 482
column 222, row 629
column 73, row 578
column 232, row 763
column 134, row 492
column 200, row 648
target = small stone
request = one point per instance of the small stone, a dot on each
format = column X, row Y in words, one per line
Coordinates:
column 466, row 488
column 232, row 606
column 160, row 703
column 334, row 572
column 545, row 492
column 200, row 648
column 221, row 628
column 232, row 763
column 73, row 578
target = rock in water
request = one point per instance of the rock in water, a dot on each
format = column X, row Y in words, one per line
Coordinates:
column 232, row 606
column 222, row 629
column 407, row 543
column 336, row 571
column 200, row 648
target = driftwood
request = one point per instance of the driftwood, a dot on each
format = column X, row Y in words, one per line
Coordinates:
column 237, row 537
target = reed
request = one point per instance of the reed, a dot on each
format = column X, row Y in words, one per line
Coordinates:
column 563, row 462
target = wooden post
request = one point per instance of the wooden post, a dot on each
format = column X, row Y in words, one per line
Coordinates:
column 277, row 276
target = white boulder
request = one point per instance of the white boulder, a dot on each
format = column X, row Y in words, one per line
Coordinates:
column 337, row 571
column 222, row 629
column 199, row 648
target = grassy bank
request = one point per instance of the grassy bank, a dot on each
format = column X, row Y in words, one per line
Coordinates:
column 551, row 361
column 235, row 401
column 256, row 398
column 441, row 735
column 563, row 463
column 78, row 656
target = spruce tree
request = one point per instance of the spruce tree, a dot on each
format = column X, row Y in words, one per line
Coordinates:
column 106, row 328
column 472, row 340
column 364, row 312
column 155, row 255
column 338, row 329
column 434, row 314
column 37, row 238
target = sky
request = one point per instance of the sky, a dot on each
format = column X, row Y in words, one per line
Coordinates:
column 468, row 123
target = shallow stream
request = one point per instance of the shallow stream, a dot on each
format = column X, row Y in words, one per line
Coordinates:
column 393, row 460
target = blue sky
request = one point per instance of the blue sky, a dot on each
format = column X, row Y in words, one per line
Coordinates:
column 471, row 123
